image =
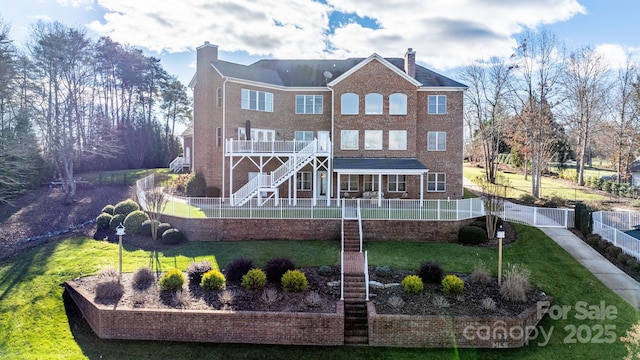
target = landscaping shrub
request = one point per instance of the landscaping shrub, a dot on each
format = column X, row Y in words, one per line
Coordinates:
column 125, row 207
column 515, row 284
column 275, row 268
column 212, row 191
column 212, row 280
column 383, row 271
column 593, row 240
column 162, row 227
column 133, row 221
column 237, row 268
column 142, row 278
column 325, row 270
column 172, row 280
column 613, row 252
column 145, row 227
column 103, row 220
column 109, row 291
column 555, row 201
column 254, row 279
column 412, row 284
column 198, row 268
column 431, row 272
column 116, row 220
column 472, row 235
column 294, row 281
column 528, row 199
column 173, row 237
column 108, row 209
column 452, row 285
column 196, row 185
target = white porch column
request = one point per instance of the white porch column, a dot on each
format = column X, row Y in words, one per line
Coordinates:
column 421, row 188
column 380, row 190
column 338, row 185
column 314, row 179
column 231, row 200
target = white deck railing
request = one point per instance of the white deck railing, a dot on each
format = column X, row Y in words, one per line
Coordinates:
column 271, row 147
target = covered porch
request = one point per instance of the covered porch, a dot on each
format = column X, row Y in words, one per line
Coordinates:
column 396, row 171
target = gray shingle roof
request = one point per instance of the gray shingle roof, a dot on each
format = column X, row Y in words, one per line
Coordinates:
column 310, row 73
column 398, row 164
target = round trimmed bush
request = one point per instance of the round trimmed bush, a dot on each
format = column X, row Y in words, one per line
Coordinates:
column 325, row 270
column 115, row 221
column 133, row 221
column 431, row 272
column 412, row 284
column 294, row 281
column 173, row 237
column 125, row 207
column 103, row 220
column 212, row 280
column 383, row 271
column 472, row 235
column 254, row 279
column 162, row 227
column 196, row 185
column 237, row 268
column 108, row 209
column 452, row 285
column 109, row 291
column 172, row 280
column 198, row 268
column 275, row 268
column 145, row 227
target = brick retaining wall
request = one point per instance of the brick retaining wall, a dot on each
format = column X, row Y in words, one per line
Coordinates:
column 309, row 229
column 250, row 327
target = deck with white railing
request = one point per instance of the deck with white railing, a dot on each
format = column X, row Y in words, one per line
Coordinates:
column 277, row 147
column 179, row 164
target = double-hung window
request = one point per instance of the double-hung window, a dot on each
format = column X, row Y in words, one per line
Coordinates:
column 436, row 182
column 308, row 104
column 436, row 141
column 349, row 183
column 437, row 104
column 396, row 183
column 303, row 180
column 370, row 183
column 256, row 100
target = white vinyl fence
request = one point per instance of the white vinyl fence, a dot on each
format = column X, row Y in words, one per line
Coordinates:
column 611, row 224
column 538, row 216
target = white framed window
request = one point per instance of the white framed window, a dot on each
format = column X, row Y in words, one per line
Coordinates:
column 437, row 104
column 349, row 139
column 349, row 104
column 397, row 139
column 397, row 104
column 219, row 97
column 303, row 135
column 436, row 141
column 370, row 183
column 349, row 183
column 373, row 104
column 436, row 182
column 257, row 134
column 218, row 136
column 303, row 180
column 308, row 104
column 396, row 183
column 256, row 100
column 373, row 139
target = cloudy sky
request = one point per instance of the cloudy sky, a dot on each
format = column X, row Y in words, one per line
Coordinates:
column 445, row 34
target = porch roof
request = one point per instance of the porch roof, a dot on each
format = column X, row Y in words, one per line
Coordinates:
column 402, row 166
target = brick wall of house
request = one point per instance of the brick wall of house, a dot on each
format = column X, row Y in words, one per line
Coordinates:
column 249, row 327
column 308, row 229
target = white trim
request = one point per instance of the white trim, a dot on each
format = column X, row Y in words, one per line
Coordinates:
column 381, row 171
column 444, row 88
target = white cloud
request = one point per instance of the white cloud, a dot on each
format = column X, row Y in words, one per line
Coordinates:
column 76, row 3
column 616, row 56
column 445, row 34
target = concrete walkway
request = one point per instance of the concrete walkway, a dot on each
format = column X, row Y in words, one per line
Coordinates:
column 610, row 275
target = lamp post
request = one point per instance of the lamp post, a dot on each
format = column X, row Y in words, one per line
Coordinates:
column 500, row 236
column 120, row 232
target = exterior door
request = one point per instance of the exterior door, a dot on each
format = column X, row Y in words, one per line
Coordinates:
column 323, row 141
column 322, row 183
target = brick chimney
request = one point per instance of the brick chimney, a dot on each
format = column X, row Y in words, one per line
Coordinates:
column 410, row 63
column 206, row 54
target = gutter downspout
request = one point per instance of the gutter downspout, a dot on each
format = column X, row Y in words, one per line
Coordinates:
column 224, row 131
column 332, row 142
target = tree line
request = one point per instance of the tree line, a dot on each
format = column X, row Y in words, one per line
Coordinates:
column 69, row 104
column 546, row 103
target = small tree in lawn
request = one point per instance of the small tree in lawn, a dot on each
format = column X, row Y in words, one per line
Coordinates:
column 156, row 201
column 493, row 198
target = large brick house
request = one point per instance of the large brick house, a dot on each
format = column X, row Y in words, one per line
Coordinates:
column 325, row 129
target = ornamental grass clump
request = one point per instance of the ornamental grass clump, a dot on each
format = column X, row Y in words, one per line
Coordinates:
column 198, row 268
column 452, row 285
column 143, row 278
column 412, row 284
column 213, row 280
column 516, row 283
column 294, row 281
column 172, row 280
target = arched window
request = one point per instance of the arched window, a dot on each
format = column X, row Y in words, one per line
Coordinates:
column 373, row 104
column 349, row 104
column 397, row 104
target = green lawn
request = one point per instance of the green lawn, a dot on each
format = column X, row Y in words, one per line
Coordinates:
column 37, row 321
column 549, row 187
